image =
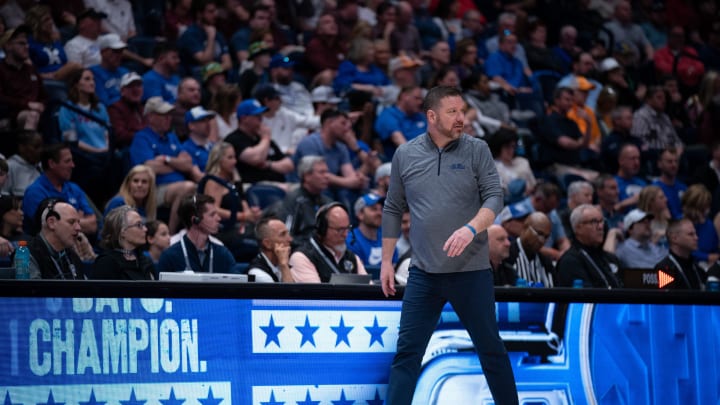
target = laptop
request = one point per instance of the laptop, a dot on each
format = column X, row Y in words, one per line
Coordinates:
column 192, row 277
column 347, row 278
column 639, row 278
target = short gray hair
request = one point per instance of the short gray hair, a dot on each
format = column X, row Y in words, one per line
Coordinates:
column 577, row 186
column 307, row 165
column 578, row 213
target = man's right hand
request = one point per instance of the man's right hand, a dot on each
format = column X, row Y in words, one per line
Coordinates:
column 282, row 251
column 210, row 31
column 387, row 278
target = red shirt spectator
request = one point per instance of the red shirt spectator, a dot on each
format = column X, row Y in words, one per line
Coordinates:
column 679, row 60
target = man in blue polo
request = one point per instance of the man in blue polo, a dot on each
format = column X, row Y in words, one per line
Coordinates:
column 108, row 73
column 365, row 240
column 156, row 146
column 57, row 163
column 403, row 121
column 198, row 144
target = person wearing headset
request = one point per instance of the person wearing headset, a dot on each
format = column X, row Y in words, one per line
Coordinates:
column 326, row 253
column 196, row 251
column 52, row 251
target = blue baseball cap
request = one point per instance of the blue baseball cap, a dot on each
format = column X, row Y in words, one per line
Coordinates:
column 250, row 107
column 197, row 114
column 510, row 212
column 368, row 200
column 280, row 60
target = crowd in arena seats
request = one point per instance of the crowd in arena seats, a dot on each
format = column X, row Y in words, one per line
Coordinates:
column 257, row 135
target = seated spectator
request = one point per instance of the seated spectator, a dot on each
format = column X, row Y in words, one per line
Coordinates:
column 177, row 19
column 196, row 251
column 466, row 59
column 21, row 87
column 402, row 121
column 607, row 192
column 299, row 207
column 629, row 183
column 259, row 157
column 85, row 121
column 506, row 23
column 624, row 30
column 696, row 208
column 639, row 250
column 294, row 95
column 54, row 182
column 506, row 70
column 198, row 144
column 679, row 60
column 138, row 190
column 525, row 257
column 24, row 166
column 83, row 48
column 286, row 126
column 222, row 183
column 258, row 73
column 586, row 260
column 622, row 119
column 11, row 221
column 680, row 264
column 540, row 57
column 405, row 36
column 382, row 179
column 653, row 126
column 334, row 141
column 327, row 252
column 516, row 176
column 668, row 164
column 653, row 201
column 52, row 251
column 359, row 72
column 120, row 19
column 201, row 43
column 578, row 193
column 225, row 102
column 489, row 112
column 561, row 141
column 325, row 51
column 158, row 240
column 271, row 265
column 583, row 65
column 123, row 234
column 566, row 50
column 498, row 251
column 240, row 42
column 46, row 51
column 163, row 79
column 439, row 58
column 213, row 77
column 586, row 120
column 365, row 240
column 189, row 95
column 108, row 73
column 545, row 198
column 158, row 147
column 126, row 114
column 403, row 73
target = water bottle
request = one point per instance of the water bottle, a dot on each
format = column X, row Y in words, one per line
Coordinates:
column 521, row 282
column 22, row 261
column 578, row 283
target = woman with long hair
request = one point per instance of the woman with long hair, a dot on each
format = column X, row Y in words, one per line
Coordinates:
column 652, row 200
column 222, row 182
column 85, row 122
column 123, row 235
column 696, row 207
column 137, row 190
column 224, row 103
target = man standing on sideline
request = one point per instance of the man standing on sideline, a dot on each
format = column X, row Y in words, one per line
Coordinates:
column 450, row 251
